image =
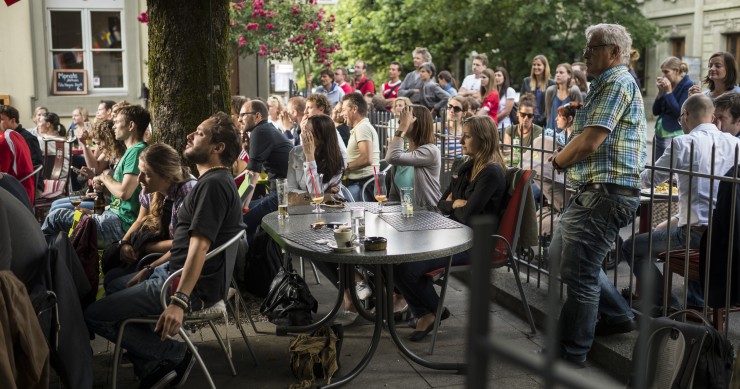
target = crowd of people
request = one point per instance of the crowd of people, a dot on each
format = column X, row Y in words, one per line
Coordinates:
column 155, row 204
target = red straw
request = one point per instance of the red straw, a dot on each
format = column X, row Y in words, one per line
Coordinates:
column 313, row 180
column 377, row 186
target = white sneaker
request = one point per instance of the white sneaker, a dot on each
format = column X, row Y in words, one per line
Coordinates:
column 346, row 318
column 363, row 291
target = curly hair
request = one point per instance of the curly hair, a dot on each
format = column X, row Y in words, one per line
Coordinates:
column 320, row 101
column 103, row 131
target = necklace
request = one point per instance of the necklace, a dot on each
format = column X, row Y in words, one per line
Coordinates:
column 213, row 168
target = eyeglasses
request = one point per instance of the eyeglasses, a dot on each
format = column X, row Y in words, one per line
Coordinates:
column 454, row 108
column 590, row 49
column 526, row 115
column 243, row 114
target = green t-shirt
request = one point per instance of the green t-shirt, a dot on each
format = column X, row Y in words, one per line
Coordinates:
column 128, row 210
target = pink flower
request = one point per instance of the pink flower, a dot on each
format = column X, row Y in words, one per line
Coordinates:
column 252, row 26
column 242, row 41
column 275, row 51
column 143, row 18
column 269, row 26
column 295, row 9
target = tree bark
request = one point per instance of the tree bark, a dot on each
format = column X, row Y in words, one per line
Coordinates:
column 188, row 65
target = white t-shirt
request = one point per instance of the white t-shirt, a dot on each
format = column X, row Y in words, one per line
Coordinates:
column 471, row 83
column 363, row 132
column 510, row 95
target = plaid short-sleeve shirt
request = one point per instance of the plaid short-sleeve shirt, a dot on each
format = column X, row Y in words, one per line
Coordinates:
column 614, row 102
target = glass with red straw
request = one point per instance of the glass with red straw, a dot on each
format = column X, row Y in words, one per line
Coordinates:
column 315, row 189
column 381, row 189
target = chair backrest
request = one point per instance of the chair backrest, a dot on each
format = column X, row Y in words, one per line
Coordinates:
column 55, row 167
column 346, row 193
column 511, row 220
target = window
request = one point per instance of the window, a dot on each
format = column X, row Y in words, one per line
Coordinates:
column 89, row 39
column 733, row 46
column 679, row 47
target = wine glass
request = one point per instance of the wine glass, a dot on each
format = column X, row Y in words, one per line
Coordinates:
column 314, row 184
column 381, row 190
column 75, row 201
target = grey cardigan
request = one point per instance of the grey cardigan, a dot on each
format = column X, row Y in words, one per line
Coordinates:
column 427, row 164
column 573, row 93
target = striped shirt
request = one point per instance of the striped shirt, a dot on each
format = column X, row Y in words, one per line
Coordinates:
column 614, row 102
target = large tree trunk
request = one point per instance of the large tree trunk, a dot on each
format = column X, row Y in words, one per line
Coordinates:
column 188, row 65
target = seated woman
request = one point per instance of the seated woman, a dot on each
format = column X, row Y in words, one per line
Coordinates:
column 418, row 167
column 319, row 152
column 103, row 158
column 479, row 188
column 164, row 185
column 449, row 136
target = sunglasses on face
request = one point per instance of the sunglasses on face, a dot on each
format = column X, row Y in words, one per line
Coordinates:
column 454, row 108
column 526, row 115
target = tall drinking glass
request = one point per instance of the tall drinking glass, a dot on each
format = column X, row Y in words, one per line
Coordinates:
column 380, row 190
column 315, row 190
column 282, row 197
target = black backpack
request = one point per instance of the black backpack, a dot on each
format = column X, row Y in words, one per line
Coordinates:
column 514, row 114
column 263, row 260
column 685, row 355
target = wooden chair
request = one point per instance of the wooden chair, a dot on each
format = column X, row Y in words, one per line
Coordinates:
column 677, row 265
column 503, row 255
column 208, row 315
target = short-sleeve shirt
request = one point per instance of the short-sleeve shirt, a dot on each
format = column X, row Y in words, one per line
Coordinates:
column 390, row 91
column 614, row 102
column 363, row 132
column 213, row 210
column 510, row 95
column 177, row 195
column 491, row 103
column 470, row 82
column 365, row 85
column 127, row 210
column 334, row 95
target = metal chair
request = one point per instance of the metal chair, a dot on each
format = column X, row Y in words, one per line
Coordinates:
column 503, row 255
column 208, row 315
column 384, row 167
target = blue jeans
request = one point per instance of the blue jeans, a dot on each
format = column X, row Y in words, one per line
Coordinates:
column 109, row 225
column 145, row 347
column 587, row 229
column 417, row 288
column 64, row 203
column 659, row 242
column 257, row 210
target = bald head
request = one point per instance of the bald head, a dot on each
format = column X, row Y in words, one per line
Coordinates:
column 697, row 109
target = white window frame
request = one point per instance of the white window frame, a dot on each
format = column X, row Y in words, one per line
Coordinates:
column 86, row 8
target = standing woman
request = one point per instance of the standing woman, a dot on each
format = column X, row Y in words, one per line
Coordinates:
column 479, row 189
column 432, row 95
column 673, row 90
column 581, row 81
column 563, row 92
column 537, row 83
column 506, row 94
column 721, row 77
column 319, row 152
column 418, row 167
column 447, row 82
column 489, row 95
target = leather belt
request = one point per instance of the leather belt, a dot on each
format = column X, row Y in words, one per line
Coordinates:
column 611, row 189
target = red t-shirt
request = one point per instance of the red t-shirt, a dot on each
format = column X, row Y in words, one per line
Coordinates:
column 347, row 88
column 492, row 104
column 365, row 85
column 16, row 161
column 391, row 91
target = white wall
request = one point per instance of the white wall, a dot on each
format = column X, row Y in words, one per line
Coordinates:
column 16, row 58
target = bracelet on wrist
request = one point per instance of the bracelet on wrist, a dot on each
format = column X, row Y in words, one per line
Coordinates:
column 182, row 296
column 179, row 303
column 555, row 164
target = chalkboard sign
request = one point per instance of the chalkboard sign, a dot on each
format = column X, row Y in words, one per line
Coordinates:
column 69, row 82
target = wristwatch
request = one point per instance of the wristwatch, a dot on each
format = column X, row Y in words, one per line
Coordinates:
column 555, row 165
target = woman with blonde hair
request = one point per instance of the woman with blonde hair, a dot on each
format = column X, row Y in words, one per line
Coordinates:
column 478, row 189
column 489, row 95
column 165, row 183
column 537, row 83
column 275, row 107
column 673, row 90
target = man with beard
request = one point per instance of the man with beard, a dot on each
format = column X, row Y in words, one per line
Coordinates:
column 268, row 149
column 210, row 216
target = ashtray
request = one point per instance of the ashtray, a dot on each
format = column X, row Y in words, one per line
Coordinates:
column 375, row 243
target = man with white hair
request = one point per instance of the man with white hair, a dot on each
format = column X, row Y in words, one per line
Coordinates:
column 412, row 84
column 603, row 159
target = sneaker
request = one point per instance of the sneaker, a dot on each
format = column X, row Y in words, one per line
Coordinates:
column 346, row 318
column 160, row 377
column 363, row 291
column 183, row 369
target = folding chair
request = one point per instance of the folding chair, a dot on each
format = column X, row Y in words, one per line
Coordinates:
column 506, row 239
column 208, row 315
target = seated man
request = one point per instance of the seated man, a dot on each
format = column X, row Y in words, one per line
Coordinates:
column 130, row 124
column 363, row 148
column 696, row 122
column 210, row 216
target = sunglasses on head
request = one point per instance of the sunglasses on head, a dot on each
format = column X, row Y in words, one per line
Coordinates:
column 454, row 108
column 526, row 115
